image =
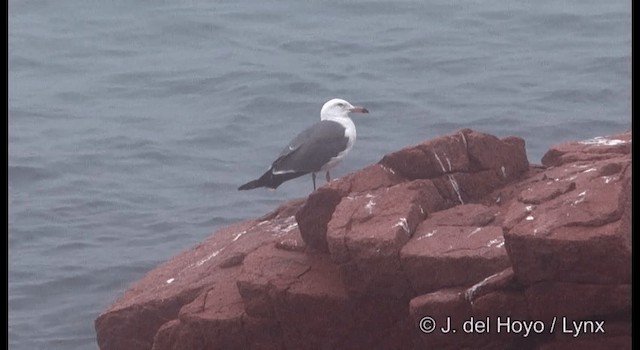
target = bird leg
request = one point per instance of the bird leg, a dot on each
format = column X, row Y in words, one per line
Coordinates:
column 313, row 176
column 328, row 177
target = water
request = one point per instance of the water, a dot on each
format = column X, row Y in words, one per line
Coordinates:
column 131, row 123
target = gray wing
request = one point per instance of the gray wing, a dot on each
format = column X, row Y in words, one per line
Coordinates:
column 312, row 148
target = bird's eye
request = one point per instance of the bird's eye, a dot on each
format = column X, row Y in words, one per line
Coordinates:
column 341, row 105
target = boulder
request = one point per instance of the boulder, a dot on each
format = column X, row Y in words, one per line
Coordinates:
column 316, row 212
column 585, row 151
column 460, row 229
column 163, row 294
column 571, row 227
column 547, row 300
column 367, row 231
column 440, row 256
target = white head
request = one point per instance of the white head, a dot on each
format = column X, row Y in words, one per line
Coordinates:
column 338, row 108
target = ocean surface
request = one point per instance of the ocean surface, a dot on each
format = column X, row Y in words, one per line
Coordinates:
column 132, row 123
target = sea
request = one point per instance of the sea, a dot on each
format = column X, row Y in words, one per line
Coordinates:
column 132, row 123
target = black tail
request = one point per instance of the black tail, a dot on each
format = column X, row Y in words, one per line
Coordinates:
column 270, row 180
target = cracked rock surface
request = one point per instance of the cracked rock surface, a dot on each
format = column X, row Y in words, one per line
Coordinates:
column 456, row 227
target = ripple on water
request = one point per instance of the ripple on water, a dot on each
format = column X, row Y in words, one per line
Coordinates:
column 27, row 175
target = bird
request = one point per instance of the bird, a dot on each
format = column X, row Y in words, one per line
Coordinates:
column 318, row 148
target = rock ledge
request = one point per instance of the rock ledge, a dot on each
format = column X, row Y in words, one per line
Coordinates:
column 457, row 228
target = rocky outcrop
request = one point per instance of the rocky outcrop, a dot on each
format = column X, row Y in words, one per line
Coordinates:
column 460, row 231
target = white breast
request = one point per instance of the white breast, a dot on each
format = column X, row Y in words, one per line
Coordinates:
column 350, row 133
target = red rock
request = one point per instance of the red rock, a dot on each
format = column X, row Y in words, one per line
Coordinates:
column 211, row 321
column 448, row 160
column 431, row 159
column 262, row 334
column 294, row 244
column 462, row 188
column 577, row 236
column 464, row 215
column 515, row 213
column 624, row 229
column 542, row 192
column 498, row 295
column 501, row 304
column 168, row 333
column 448, row 309
column 159, row 296
column 314, row 216
column 337, row 270
column 316, row 212
column 440, row 257
column 577, row 301
column 452, row 158
column 501, row 281
column 292, row 287
column 576, row 254
column 133, row 321
column 488, row 152
column 370, row 178
column 295, row 288
column 597, row 148
column 464, row 151
column 504, row 200
column 368, row 230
